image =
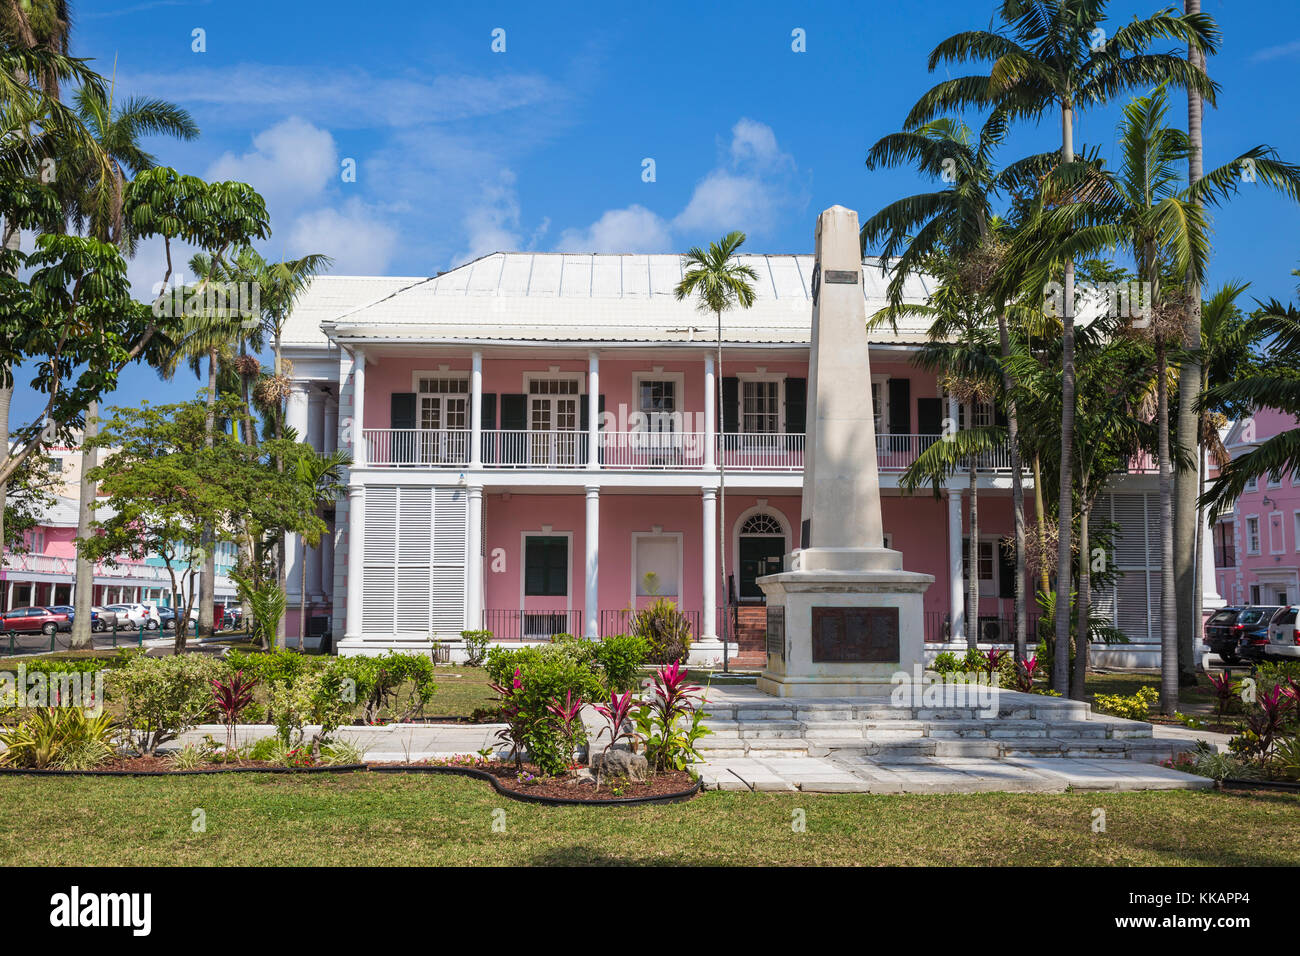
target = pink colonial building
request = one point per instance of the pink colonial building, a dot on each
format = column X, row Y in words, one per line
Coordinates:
column 1256, row 540
column 545, row 442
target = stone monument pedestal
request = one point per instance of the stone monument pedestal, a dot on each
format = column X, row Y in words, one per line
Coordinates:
column 842, row 633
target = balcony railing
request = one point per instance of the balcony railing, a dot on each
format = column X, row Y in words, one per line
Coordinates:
column 633, row 450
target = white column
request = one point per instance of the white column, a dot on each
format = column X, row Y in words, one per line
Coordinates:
column 474, row 562
column 1211, row 599
column 709, row 556
column 956, row 587
column 356, row 558
column 593, row 415
column 315, row 435
column 710, row 415
column 331, row 425
column 476, row 425
column 592, row 565
column 296, row 412
column 359, row 407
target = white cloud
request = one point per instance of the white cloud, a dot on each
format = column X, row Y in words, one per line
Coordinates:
column 748, row 192
column 634, row 229
column 355, row 237
column 290, row 163
column 492, row 223
column 1281, row 51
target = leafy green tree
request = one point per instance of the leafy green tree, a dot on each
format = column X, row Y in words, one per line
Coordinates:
column 959, row 221
column 718, row 283
column 1050, row 55
column 326, row 476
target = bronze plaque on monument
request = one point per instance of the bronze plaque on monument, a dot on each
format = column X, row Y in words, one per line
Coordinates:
column 855, row 635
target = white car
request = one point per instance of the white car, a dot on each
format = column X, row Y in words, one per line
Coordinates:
column 133, row 615
column 1284, row 635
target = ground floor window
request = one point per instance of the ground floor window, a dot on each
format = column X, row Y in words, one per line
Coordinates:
column 546, row 565
column 658, row 564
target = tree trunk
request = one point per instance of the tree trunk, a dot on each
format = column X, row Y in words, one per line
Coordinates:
column 208, row 577
column 973, row 550
column 1187, row 522
column 81, row 636
column 1168, row 609
column 282, row 541
column 1084, row 604
column 722, row 510
column 13, row 241
column 1040, row 518
column 1061, row 660
column 1017, row 496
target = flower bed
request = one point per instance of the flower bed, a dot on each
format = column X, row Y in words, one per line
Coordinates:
column 530, row 786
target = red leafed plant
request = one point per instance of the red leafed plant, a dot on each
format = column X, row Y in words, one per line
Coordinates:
column 231, row 697
column 517, row 722
column 1225, row 691
column 616, row 713
column 567, row 714
column 1025, row 674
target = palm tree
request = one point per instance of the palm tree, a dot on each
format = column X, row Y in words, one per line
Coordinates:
column 719, row 284
column 324, row 474
column 280, row 285
column 1048, row 55
column 94, row 188
column 1187, row 513
column 959, row 219
column 1145, row 208
column 960, row 347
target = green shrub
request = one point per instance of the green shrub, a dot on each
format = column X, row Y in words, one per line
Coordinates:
column 476, row 646
column 1136, row 707
column 666, row 630
column 946, row 663
column 264, row 748
column 59, row 737
column 620, row 658
column 547, row 673
column 162, row 697
column 314, row 698
column 376, row 683
column 277, row 665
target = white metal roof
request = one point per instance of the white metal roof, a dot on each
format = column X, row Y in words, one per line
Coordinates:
column 575, row 297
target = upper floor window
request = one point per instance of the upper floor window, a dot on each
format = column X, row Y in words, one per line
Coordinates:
column 1252, row 535
column 35, row 541
column 1252, row 484
column 657, row 399
column 56, row 466
column 760, row 406
column 1275, row 478
column 983, row 415
column 444, row 402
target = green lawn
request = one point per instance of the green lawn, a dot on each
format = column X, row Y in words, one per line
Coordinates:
column 372, row 819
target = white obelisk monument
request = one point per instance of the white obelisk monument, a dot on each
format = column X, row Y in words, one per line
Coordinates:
column 844, row 617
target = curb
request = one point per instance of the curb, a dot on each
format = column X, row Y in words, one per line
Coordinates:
column 33, row 772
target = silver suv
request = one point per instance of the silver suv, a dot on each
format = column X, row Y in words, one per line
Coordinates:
column 1284, row 635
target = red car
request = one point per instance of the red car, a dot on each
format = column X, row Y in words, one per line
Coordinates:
column 30, row 620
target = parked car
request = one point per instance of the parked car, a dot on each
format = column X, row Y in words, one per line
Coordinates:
column 1252, row 630
column 35, row 620
column 1284, row 635
column 1221, row 635
column 105, row 619
column 167, row 617
column 233, row 619
column 133, row 615
column 96, row 624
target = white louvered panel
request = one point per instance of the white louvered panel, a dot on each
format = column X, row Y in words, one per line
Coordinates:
column 1134, row 606
column 448, row 592
column 450, row 528
column 413, row 606
column 1153, row 530
column 1130, row 533
column 1104, row 602
column 1153, row 604
column 415, row 531
column 379, row 598
column 381, row 526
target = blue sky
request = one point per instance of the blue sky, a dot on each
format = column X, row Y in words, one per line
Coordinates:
column 460, row 150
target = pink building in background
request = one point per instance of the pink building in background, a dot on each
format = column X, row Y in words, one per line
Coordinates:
column 1256, row 542
column 541, row 443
